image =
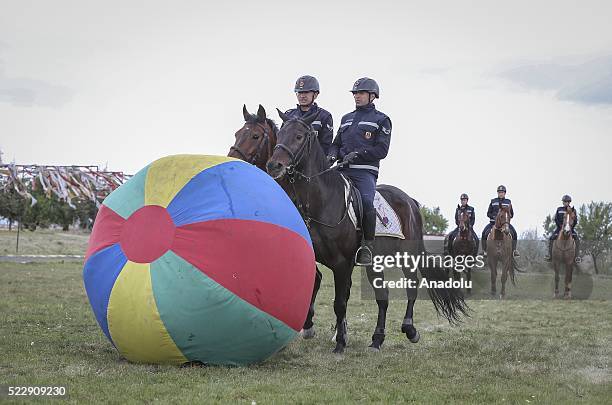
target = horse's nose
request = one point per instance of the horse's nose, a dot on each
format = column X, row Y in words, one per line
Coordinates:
column 273, row 166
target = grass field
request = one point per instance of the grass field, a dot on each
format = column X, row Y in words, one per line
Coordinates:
column 515, row 351
column 43, row 241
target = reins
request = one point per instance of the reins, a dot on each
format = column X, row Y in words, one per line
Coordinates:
column 293, row 175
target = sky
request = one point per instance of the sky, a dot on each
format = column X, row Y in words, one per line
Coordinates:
column 480, row 93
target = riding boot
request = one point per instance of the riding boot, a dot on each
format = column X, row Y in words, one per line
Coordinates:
column 549, row 257
column 446, row 243
column 578, row 258
column 365, row 253
column 515, row 252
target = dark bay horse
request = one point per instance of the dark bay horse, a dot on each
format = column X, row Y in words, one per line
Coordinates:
column 254, row 144
column 317, row 189
column 499, row 250
column 464, row 244
column 564, row 253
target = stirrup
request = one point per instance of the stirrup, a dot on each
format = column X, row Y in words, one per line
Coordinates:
column 548, row 258
column 515, row 253
column 577, row 259
column 357, row 262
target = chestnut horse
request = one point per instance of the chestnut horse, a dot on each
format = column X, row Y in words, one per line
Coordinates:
column 564, row 253
column 464, row 244
column 300, row 166
column 499, row 250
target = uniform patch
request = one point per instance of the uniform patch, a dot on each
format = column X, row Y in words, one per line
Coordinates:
column 368, row 135
column 386, row 131
column 301, row 84
column 316, row 133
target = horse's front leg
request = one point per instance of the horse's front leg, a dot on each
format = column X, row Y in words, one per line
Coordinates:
column 556, row 269
column 381, row 292
column 504, row 277
column 308, row 330
column 493, row 268
column 569, row 269
column 342, row 282
column 468, row 276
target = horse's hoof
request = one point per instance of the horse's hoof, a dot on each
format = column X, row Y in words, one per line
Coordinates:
column 415, row 338
column 339, row 348
column 308, row 333
column 375, row 347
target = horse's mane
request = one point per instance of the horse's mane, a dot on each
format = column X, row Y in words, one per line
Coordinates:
column 269, row 121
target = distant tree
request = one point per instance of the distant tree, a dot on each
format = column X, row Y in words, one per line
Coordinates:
column 12, row 206
column 549, row 226
column 85, row 213
column 434, row 222
column 595, row 229
column 532, row 248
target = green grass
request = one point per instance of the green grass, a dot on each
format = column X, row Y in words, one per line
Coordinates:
column 43, row 241
column 515, row 351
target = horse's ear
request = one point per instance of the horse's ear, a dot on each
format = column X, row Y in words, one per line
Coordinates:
column 245, row 113
column 309, row 119
column 261, row 114
column 282, row 115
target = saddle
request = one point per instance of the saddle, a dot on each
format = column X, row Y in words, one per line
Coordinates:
column 387, row 221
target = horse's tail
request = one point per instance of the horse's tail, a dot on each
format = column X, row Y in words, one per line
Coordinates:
column 448, row 302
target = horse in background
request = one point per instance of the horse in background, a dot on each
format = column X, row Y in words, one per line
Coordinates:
column 564, row 253
column 464, row 245
column 499, row 250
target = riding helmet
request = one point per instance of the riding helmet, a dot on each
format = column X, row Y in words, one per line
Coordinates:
column 366, row 84
column 566, row 198
column 501, row 188
column 464, row 196
column 306, row 83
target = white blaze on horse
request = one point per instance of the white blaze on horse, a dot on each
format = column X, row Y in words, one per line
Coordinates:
column 499, row 251
column 564, row 253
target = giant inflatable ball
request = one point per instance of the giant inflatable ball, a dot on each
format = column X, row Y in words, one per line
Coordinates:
column 199, row 258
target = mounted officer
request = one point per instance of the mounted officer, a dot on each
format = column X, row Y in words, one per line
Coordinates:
column 494, row 206
column 448, row 241
column 307, row 90
column 566, row 200
column 361, row 143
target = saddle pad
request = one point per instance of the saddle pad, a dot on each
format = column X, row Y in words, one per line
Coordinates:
column 387, row 220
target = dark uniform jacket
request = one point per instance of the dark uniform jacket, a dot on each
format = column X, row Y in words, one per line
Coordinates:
column 324, row 124
column 470, row 212
column 494, row 206
column 366, row 131
column 559, row 218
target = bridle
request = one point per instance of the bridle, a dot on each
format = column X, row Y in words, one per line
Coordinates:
column 499, row 228
column 265, row 141
column 293, row 174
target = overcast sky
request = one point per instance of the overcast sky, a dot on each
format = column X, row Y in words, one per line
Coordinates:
column 480, row 93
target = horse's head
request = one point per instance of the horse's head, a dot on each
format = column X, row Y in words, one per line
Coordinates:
column 502, row 220
column 256, row 139
column 568, row 220
column 463, row 219
column 295, row 140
